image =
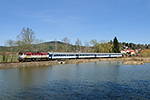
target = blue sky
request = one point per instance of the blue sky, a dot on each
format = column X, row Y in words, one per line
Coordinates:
column 128, row 20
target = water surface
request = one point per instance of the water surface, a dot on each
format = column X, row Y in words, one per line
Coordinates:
column 89, row 81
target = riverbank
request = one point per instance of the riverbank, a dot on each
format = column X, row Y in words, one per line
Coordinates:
column 72, row 61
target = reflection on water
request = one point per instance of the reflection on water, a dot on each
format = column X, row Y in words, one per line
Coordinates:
column 97, row 80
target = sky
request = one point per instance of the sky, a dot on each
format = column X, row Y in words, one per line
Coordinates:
column 128, row 20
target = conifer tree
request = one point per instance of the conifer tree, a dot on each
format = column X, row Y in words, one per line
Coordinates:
column 116, row 46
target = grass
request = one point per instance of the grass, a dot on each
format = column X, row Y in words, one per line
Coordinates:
column 9, row 58
column 145, row 53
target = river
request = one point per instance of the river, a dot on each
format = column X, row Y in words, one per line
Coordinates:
column 87, row 81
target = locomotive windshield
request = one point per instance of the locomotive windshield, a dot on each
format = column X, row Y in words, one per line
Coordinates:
column 20, row 53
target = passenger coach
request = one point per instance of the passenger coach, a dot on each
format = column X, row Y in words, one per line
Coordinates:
column 61, row 55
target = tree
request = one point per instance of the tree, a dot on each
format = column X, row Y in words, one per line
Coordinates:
column 5, row 54
column 26, row 39
column 97, row 48
column 78, row 45
column 124, row 43
column 67, row 44
column 87, row 47
column 93, row 42
column 102, row 46
column 12, row 48
column 111, row 42
column 116, row 48
column 55, row 45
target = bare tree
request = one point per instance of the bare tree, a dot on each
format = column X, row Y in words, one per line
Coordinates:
column 87, row 46
column 78, row 45
column 55, row 45
column 67, row 44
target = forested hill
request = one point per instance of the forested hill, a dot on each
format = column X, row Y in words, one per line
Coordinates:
column 45, row 46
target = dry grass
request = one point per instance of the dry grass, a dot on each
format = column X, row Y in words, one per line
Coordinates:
column 145, row 53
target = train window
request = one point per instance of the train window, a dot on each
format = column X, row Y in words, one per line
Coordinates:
column 20, row 53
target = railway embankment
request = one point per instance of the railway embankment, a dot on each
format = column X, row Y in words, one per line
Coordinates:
column 126, row 61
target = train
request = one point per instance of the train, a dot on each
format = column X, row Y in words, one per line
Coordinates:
column 34, row 56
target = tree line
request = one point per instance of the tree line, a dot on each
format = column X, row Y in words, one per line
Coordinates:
column 27, row 42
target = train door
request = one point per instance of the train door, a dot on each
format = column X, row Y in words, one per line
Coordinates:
column 109, row 55
column 95, row 55
column 50, row 56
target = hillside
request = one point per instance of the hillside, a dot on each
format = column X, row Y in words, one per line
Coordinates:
column 48, row 45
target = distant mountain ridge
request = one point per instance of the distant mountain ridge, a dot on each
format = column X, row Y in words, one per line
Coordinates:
column 53, row 42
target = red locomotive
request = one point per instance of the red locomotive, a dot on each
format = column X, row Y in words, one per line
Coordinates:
column 32, row 56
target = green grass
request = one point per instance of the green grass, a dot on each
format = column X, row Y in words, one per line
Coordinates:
column 1, row 58
column 9, row 58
